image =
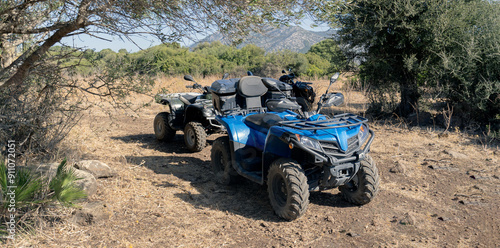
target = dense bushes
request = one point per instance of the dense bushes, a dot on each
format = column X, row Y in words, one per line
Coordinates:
column 216, row 59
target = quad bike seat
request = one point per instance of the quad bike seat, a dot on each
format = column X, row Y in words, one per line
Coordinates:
column 187, row 99
column 251, row 89
column 262, row 122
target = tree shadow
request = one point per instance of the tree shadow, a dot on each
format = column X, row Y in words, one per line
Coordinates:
column 149, row 141
column 244, row 198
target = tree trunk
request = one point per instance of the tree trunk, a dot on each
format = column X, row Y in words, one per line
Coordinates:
column 409, row 99
column 22, row 71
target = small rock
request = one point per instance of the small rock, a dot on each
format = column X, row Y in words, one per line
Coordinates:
column 263, row 224
column 96, row 168
column 398, row 168
column 351, row 234
column 86, row 182
column 444, row 218
column 329, row 219
column 454, row 154
column 407, row 219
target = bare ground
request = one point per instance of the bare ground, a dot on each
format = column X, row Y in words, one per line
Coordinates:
column 435, row 192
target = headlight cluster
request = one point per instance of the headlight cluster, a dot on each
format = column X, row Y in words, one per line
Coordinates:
column 309, row 142
column 363, row 133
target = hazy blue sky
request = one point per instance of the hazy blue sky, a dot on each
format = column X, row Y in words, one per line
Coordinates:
column 116, row 43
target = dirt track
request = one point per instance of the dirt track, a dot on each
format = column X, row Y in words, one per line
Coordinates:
column 435, row 192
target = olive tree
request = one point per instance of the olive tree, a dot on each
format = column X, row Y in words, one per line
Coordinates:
column 451, row 46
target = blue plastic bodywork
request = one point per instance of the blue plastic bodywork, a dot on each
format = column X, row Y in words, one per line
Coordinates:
column 271, row 144
column 239, row 132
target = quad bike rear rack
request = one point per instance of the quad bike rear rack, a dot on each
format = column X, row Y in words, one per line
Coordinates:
column 338, row 121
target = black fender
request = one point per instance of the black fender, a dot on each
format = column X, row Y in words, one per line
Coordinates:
column 194, row 112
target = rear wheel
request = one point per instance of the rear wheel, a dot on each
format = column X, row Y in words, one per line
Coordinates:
column 195, row 136
column 221, row 162
column 163, row 131
column 288, row 189
column 364, row 186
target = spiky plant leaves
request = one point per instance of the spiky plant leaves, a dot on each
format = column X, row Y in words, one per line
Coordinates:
column 65, row 190
column 23, row 188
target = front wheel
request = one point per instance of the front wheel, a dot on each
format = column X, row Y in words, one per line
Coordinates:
column 195, row 136
column 364, row 186
column 221, row 162
column 288, row 189
column 163, row 131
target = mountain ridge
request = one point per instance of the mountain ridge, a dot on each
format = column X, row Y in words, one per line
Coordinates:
column 293, row 38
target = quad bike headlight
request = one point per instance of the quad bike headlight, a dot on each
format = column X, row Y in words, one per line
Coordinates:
column 309, row 142
column 363, row 133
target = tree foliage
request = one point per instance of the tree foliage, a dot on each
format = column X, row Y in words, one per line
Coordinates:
column 33, row 78
column 451, row 46
column 330, row 51
column 207, row 59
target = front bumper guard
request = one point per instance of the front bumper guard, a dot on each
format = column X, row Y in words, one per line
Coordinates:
column 337, row 171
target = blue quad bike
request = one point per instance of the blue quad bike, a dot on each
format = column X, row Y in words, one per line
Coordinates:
column 294, row 152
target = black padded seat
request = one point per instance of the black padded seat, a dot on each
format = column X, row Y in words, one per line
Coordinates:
column 262, row 122
column 187, row 99
column 251, row 89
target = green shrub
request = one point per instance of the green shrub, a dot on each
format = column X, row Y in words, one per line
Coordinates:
column 32, row 190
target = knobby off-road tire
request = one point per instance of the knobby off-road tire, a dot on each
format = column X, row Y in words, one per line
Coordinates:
column 163, row 131
column 365, row 184
column 195, row 136
column 288, row 189
column 221, row 162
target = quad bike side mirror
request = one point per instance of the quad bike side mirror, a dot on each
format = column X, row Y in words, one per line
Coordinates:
column 283, row 71
column 334, row 99
column 334, row 78
column 189, row 78
column 225, row 75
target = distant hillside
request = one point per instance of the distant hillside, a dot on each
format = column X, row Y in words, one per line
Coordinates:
column 293, row 38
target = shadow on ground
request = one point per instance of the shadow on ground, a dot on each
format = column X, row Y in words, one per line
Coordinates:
column 244, row 198
column 149, row 141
